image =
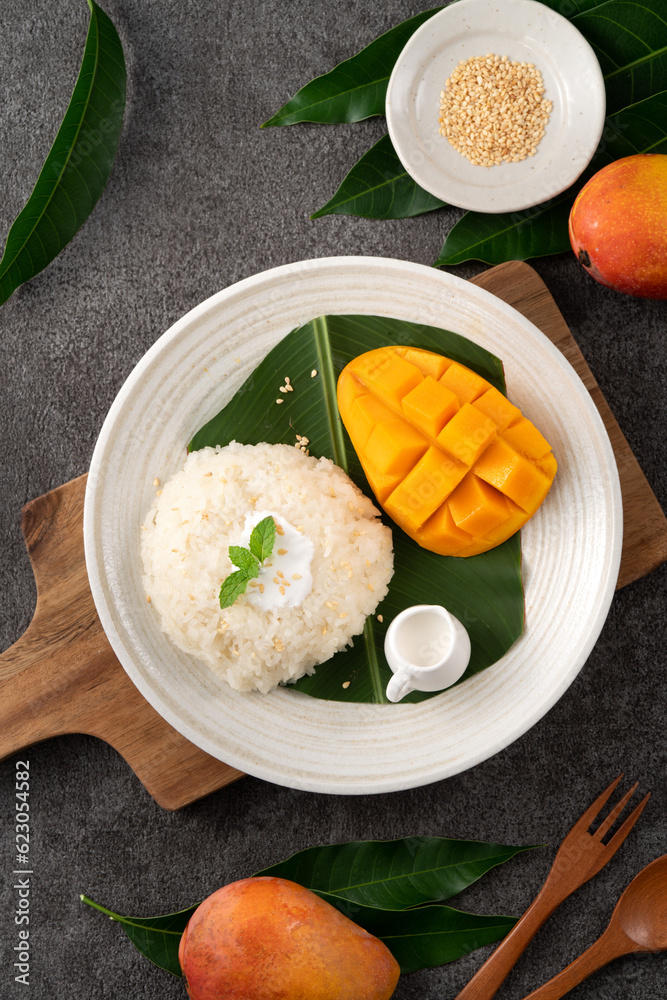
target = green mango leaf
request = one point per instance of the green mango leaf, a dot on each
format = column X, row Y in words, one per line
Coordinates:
column 484, row 592
column 419, row 939
column 432, row 935
column 393, row 874
column 355, row 89
column 400, row 873
column 630, row 42
column 542, row 230
column 157, row 938
column 79, row 163
column 568, row 8
column 379, row 187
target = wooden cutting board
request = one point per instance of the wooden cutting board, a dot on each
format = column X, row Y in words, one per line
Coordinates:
column 61, row 676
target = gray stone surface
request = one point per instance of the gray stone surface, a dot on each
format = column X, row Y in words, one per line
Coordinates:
column 198, row 199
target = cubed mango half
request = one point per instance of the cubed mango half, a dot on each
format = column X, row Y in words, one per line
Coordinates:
column 453, row 462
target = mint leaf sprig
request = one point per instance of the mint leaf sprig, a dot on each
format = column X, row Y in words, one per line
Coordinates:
column 249, row 560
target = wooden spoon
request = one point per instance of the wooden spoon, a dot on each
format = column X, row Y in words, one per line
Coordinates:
column 638, row 923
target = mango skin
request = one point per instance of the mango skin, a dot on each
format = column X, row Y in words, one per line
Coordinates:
column 618, row 226
column 267, row 938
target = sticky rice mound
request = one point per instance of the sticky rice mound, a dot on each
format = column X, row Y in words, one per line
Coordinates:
column 202, row 510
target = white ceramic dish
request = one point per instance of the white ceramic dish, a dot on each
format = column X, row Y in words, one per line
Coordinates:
column 571, row 547
column 522, row 30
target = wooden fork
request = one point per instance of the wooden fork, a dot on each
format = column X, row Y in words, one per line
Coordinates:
column 581, row 855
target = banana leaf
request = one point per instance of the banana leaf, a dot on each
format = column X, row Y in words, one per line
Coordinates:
column 79, row 163
column 379, row 187
column 356, row 88
column 484, row 592
column 542, row 230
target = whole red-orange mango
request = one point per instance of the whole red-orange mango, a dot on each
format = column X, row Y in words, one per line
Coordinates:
column 618, row 225
column 270, row 939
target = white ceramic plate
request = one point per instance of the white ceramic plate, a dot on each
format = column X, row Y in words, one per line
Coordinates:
column 571, row 547
column 525, row 31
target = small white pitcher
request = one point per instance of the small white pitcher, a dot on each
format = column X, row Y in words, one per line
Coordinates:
column 427, row 649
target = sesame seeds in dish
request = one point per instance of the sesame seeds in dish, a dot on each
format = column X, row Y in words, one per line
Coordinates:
column 303, row 614
column 493, row 110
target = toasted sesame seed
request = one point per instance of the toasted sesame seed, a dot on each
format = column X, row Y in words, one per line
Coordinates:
column 282, row 552
column 283, row 388
column 296, row 576
column 261, row 588
column 280, row 529
column 313, row 374
column 156, row 482
column 287, row 380
column 380, row 618
column 492, row 110
column 148, row 598
column 345, row 684
column 207, row 474
column 343, row 614
column 281, row 589
column 280, row 401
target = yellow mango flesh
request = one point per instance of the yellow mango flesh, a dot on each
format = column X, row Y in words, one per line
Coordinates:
column 453, row 462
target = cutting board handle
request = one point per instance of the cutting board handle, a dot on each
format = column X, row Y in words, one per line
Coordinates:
column 61, row 676
column 44, row 697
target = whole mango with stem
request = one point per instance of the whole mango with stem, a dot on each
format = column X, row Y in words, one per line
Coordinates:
column 618, row 225
column 267, row 938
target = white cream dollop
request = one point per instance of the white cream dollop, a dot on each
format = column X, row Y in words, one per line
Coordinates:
column 285, row 577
